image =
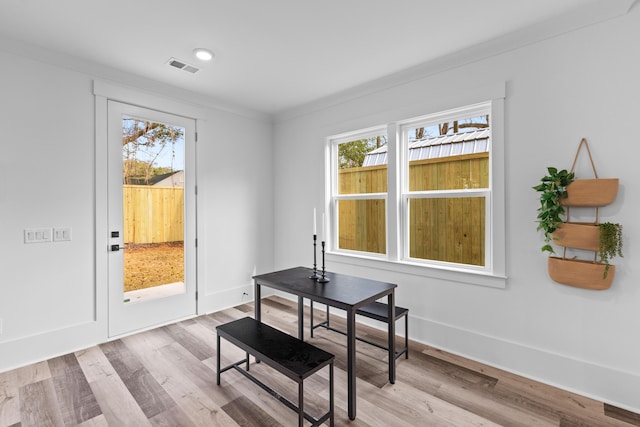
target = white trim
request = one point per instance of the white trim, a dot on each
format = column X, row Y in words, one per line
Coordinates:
column 45, row 345
column 394, row 209
column 101, row 218
column 482, row 100
column 469, row 111
column 361, row 196
column 558, row 370
column 448, row 272
column 151, row 101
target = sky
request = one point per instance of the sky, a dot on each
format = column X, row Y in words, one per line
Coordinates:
column 170, row 156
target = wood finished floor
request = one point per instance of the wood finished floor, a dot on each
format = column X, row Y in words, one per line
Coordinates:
column 166, row 377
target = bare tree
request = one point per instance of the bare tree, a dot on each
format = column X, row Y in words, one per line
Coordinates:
column 142, row 142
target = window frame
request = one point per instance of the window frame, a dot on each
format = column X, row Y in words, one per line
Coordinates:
column 493, row 273
column 336, row 196
column 406, row 195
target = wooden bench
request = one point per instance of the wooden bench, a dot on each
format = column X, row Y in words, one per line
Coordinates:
column 376, row 311
column 288, row 355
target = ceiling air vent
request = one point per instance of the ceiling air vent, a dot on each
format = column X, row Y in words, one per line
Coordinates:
column 177, row 63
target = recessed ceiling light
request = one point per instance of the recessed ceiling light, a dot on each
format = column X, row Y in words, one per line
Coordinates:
column 203, row 54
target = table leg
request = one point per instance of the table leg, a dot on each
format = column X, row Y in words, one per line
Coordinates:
column 257, row 300
column 351, row 363
column 257, row 305
column 301, row 318
column 392, row 337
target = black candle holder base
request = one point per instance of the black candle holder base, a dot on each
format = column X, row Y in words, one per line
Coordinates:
column 315, row 275
column 323, row 278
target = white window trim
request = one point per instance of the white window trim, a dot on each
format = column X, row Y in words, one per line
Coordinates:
column 492, row 275
column 405, row 195
column 332, row 236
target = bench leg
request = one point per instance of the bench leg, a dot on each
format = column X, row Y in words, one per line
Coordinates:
column 301, row 403
column 406, row 335
column 331, row 394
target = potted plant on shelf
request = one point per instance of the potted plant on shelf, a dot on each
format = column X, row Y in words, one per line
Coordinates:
column 559, row 190
column 553, row 188
column 610, row 244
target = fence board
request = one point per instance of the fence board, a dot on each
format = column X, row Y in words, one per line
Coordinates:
column 443, row 229
column 153, row 214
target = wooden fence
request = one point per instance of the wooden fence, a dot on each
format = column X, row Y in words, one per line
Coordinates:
column 443, row 229
column 153, row 214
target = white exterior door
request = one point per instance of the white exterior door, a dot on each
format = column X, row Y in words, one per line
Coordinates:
column 151, row 216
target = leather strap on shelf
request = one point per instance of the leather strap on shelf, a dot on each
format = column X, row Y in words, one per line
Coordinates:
column 583, row 142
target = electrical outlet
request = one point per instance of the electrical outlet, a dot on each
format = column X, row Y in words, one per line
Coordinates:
column 37, row 235
column 62, row 234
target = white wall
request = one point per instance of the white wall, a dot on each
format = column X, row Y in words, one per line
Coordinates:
column 581, row 84
column 52, row 295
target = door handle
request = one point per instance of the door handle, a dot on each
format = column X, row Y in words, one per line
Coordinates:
column 116, row 248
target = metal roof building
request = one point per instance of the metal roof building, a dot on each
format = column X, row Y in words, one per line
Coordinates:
column 440, row 146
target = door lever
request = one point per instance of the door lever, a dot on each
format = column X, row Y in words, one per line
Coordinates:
column 116, row 248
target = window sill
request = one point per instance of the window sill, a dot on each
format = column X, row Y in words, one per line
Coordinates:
column 434, row 272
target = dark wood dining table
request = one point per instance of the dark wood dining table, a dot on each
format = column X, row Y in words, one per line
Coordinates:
column 345, row 292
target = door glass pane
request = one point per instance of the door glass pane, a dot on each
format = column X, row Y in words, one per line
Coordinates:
column 153, row 209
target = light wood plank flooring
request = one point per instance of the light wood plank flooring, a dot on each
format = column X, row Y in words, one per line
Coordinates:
column 166, row 377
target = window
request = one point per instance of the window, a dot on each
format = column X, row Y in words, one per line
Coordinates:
column 446, row 161
column 361, row 193
column 424, row 192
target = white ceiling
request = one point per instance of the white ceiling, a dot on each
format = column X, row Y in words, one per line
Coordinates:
column 275, row 55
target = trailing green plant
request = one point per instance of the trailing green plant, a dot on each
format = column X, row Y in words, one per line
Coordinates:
column 610, row 244
column 553, row 188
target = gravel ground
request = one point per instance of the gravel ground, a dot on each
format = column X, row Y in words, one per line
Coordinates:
column 151, row 265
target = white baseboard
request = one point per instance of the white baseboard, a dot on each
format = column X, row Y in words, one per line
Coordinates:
column 36, row 348
column 602, row 383
column 210, row 303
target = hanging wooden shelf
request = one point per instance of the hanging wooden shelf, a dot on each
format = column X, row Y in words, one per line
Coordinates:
column 585, row 236
column 592, row 193
column 581, row 273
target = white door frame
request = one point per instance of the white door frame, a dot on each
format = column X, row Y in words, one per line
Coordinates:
column 104, row 92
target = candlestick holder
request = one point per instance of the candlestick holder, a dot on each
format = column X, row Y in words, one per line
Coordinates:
column 315, row 275
column 323, row 278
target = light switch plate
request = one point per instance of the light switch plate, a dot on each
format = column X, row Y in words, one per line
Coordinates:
column 62, row 234
column 37, row 235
